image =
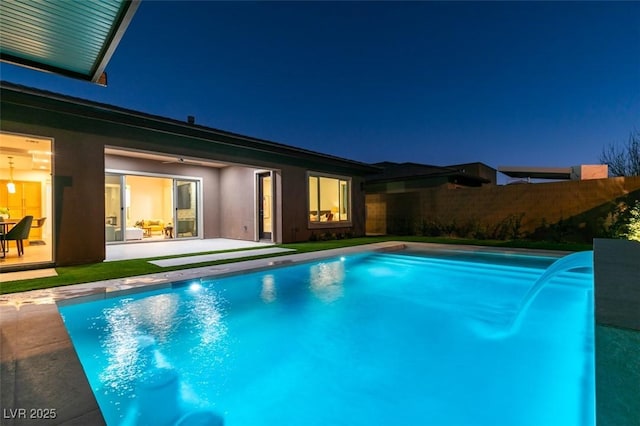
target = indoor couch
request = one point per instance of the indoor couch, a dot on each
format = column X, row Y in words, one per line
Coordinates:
column 130, row 234
column 153, row 225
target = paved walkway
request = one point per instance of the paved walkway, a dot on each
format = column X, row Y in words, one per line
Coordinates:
column 174, row 247
column 190, row 260
column 27, row 275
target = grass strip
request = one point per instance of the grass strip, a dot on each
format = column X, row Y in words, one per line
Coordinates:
column 68, row 275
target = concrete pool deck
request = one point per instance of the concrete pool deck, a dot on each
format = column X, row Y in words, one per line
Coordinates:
column 40, row 372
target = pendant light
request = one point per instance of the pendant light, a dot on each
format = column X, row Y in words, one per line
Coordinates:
column 11, row 187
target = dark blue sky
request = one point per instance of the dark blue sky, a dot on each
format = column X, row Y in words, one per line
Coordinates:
column 513, row 83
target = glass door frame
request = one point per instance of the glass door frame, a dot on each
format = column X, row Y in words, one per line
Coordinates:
column 118, row 219
column 48, row 206
column 124, row 202
column 183, row 224
column 263, row 210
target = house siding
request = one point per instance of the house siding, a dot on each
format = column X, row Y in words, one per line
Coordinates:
column 81, row 130
column 237, row 203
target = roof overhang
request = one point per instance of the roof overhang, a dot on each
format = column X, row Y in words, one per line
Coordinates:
column 398, row 172
column 537, row 172
column 171, row 136
column 74, row 39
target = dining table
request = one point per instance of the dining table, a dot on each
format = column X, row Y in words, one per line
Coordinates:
column 5, row 226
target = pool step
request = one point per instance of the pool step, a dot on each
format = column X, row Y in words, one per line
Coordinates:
column 431, row 265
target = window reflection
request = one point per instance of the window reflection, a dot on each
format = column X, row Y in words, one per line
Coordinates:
column 327, row 280
column 268, row 293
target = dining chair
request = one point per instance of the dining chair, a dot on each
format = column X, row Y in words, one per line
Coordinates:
column 18, row 233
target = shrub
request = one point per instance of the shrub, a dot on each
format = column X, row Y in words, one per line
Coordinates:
column 626, row 222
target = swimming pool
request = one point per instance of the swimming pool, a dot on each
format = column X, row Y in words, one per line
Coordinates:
column 375, row 338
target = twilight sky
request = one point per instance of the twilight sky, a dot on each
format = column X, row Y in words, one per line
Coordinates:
column 505, row 83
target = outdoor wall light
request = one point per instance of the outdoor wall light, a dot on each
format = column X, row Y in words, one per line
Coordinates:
column 11, row 187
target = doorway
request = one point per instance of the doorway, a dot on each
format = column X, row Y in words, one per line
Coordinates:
column 26, row 190
column 146, row 207
column 265, row 206
column 186, row 212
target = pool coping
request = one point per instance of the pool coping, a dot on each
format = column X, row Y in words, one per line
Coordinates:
column 40, row 369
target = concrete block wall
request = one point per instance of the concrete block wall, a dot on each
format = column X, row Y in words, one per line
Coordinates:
column 376, row 213
column 617, row 279
column 535, row 204
column 617, row 347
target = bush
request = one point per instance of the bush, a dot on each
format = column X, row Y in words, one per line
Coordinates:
column 626, row 221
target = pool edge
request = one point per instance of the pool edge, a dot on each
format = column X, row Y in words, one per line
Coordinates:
column 20, row 337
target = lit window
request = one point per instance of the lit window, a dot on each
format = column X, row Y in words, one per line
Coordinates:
column 329, row 199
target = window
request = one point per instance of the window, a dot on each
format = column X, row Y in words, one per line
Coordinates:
column 329, row 199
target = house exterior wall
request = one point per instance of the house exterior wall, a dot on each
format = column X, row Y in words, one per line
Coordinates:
column 78, row 186
column 78, row 204
column 295, row 208
column 237, row 203
column 81, row 130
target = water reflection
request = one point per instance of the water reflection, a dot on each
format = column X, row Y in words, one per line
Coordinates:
column 132, row 330
column 157, row 315
column 207, row 318
column 124, row 350
column 327, row 280
column 139, row 335
column 268, row 293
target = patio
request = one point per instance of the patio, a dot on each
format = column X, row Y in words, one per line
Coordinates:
column 147, row 249
column 172, row 248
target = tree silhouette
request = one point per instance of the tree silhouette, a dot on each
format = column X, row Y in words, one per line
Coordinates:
column 624, row 161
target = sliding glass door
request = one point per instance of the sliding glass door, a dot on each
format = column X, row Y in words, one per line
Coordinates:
column 143, row 208
column 114, row 207
column 186, row 211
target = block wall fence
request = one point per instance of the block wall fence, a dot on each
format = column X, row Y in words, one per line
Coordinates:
column 534, row 205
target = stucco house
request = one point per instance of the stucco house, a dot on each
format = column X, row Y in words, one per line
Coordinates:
column 102, row 175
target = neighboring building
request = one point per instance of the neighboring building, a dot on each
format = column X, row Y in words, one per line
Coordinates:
column 392, row 196
column 519, row 174
column 101, row 175
column 406, row 177
column 478, row 169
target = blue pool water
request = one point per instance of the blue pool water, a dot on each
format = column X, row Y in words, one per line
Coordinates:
column 371, row 339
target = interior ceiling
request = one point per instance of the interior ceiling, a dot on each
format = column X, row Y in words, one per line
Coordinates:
column 30, row 153
column 27, row 152
column 164, row 158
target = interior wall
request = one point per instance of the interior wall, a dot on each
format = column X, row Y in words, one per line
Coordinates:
column 210, row 186
column 151, row 199
column 32, row 179
column 32, row 197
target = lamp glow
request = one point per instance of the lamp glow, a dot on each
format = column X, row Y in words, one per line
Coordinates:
column 11, row 187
